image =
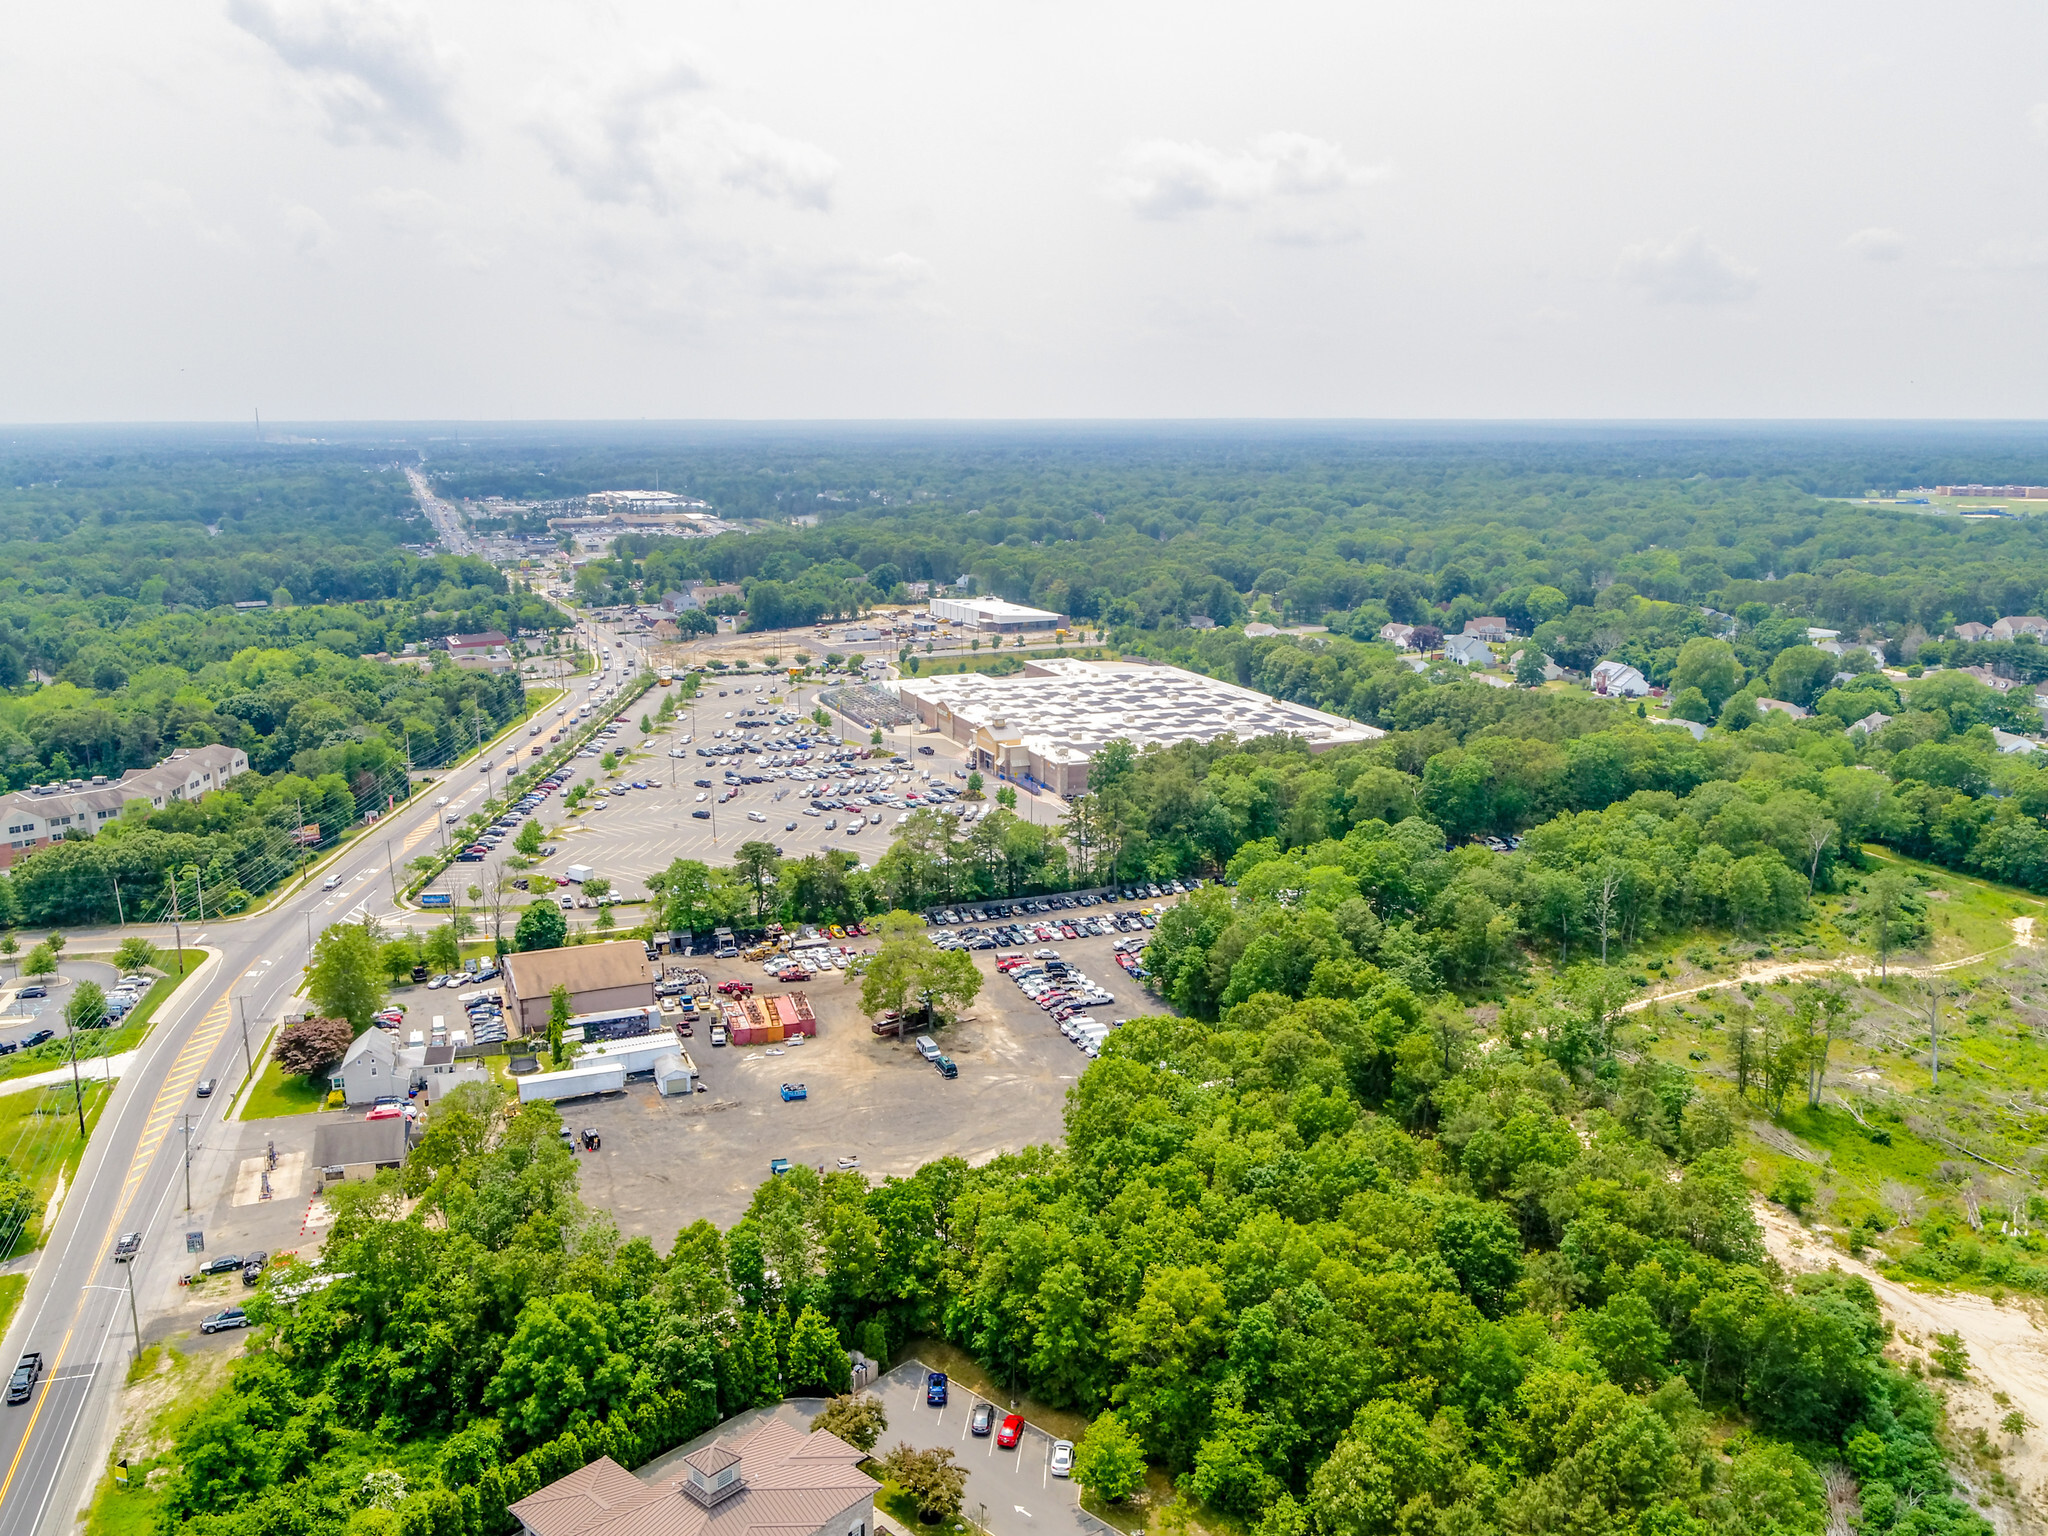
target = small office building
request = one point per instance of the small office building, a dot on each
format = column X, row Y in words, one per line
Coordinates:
column 600, row 978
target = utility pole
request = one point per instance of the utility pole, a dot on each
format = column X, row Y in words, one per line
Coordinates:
column 177, row 926
column 242, row 1003
column 119, row 912
column 77, row 1089
column 391, row 863
column 134, row 1320
column 187, row 1127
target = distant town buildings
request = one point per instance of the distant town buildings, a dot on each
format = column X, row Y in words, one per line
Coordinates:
column 2018, row 492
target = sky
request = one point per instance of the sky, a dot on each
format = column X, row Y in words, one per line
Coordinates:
column 780, row 209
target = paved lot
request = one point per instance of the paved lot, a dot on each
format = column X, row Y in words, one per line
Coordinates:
column 667, row 1162
column 647, row 830
column 1013, row 1492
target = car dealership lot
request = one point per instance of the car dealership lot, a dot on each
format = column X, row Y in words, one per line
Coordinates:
column 667, row 1162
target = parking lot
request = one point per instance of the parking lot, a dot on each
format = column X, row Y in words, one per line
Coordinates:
column 640, row 831
column 667, row 1162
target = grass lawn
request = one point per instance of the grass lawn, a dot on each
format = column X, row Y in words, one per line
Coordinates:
column 277, row 1093
column 39, row 1139
column 11, row 1289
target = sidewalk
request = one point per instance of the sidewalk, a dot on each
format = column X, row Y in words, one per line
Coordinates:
column 90, row 1069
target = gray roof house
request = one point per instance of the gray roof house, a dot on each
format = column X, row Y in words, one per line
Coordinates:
column 371, row 1070
column 1870, row 724
column 1468, row 651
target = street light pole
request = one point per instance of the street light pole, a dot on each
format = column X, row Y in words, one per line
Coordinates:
column 134, row 1318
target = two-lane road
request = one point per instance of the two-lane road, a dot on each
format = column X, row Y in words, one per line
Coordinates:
column 76, row 1309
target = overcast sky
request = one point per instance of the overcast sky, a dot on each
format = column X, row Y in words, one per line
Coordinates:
column 379, row 209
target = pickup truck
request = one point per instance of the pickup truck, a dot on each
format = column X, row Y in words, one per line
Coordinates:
column 26, row 1373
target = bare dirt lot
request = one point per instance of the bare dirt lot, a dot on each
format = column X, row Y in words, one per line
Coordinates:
column 2008, row 1354
column 666, row 1163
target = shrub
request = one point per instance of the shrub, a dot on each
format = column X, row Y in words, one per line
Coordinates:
column 307, row 1046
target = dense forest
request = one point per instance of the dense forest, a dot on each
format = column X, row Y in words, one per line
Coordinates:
column 1336, row 1268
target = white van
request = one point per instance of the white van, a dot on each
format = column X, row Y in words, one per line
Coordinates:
column 927, row 1047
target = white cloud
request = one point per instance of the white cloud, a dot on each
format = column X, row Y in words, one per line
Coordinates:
column 1169, row 178
column 651, row 142
column 1876, row 244
column 2037, row 119
column 163, row 206
column 843, row 285
column 414, row 213
column 371, row 70
column 1687, row 271
column 309, row 232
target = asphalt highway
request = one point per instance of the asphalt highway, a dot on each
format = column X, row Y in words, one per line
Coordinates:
column 76, row 1310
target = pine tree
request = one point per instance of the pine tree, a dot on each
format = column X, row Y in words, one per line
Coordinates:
column 816, row 1359
column 766, row 1370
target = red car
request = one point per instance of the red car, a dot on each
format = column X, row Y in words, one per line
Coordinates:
column 1011, row 1432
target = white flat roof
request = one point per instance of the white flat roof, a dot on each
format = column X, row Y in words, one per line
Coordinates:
column 994, row 608
column 1068, row 715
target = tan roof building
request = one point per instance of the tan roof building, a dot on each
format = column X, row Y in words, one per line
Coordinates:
column 601, row 978
column 778, row 1481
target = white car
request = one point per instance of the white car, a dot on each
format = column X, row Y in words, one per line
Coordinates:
column 756, row 816
column 1062, row 1463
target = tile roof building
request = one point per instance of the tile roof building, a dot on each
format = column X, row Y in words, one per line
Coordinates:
column 44, row 813
column 778, row 1481
column 1045, row 726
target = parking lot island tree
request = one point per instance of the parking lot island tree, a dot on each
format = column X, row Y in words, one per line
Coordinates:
column 908, row 972
column 135, row 954
column 40, row 961
column 346, row 978
column 443, row 949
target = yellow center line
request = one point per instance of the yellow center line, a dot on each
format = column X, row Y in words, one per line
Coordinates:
column 191, row 1055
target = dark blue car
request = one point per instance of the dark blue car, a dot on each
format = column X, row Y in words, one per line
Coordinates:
column 935, row 1389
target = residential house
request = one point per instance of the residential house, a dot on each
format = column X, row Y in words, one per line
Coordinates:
column 1488, row 629
column 1551, row 670
column 1816, row 634
column 2009, row 743
column 1870, row 724
column 2023, row 624
column 1400, row 636
column 1200, row 621
column 371, row 1070
column 1781, row 707
column 1972, row 632
column 1259, row 630
column 778, row 1480
column 1699, row 731
column 1989, row 679
column 1617, row 679
column 1468, row 651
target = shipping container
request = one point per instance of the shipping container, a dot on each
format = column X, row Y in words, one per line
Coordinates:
column 575, row 1082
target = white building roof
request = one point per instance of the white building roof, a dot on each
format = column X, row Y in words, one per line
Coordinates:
column 992, row 610
column 1073, row 707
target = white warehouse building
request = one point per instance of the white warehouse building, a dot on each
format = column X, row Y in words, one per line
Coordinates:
column 1045, row 726
column 993, row 616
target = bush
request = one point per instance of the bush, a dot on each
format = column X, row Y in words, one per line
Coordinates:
column 930, row 1479
column 311, row 1044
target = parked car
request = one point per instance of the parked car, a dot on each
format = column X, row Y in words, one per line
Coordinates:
column 946, row 1067
column 935, row 1389
column 253, row 1265
column 221, row 1264
column 982, row 1420
column 221, row 1321
column 26, row 1373
column 37, row 990
column 1062, row 1464
column 1011, row 1432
